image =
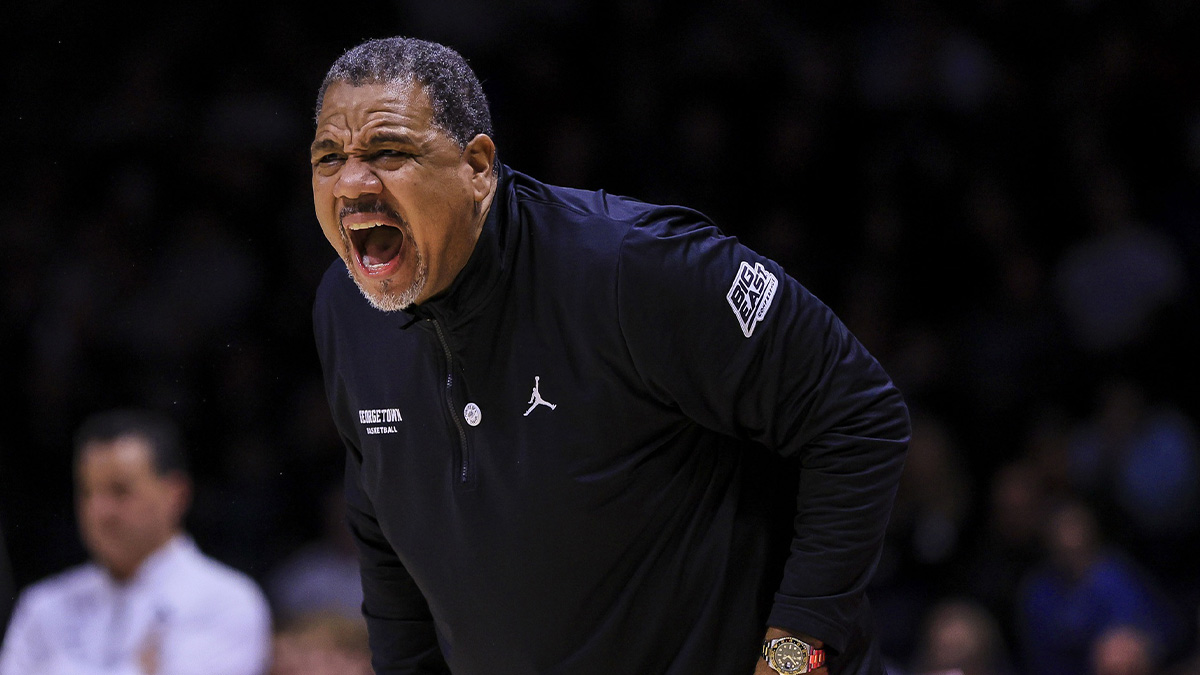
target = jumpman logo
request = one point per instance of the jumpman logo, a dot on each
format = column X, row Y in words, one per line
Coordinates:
column 536, row 399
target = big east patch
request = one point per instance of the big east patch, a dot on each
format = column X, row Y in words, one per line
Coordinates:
column 751, row 294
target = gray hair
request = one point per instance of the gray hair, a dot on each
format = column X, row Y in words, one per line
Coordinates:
column 459, row 106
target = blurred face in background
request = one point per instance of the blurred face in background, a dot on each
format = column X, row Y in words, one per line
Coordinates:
column 1072, row 538
column 126, row 510
column 322, row 644
column 1123, row 651
column 961, row 637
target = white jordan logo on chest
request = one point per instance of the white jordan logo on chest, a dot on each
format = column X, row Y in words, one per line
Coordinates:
column 536, row 399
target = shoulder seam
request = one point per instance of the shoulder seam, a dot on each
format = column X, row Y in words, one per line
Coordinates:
column 569, row 207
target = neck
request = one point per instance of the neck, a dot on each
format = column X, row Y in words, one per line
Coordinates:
column 124, row 571
column 482, row 209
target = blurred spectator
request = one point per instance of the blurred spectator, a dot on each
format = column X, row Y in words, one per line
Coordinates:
column 149, row 602
column 923, row 540
column 323, row 575
column 204, row 280
column 1011, row 541
column 1143, row 460
column 1009, row 339
column 961, row 636
column 933, row 499
column 1124, row 651
column 322, row 644
column 1112, row 285
column 1081, row 591
column 1190, row 664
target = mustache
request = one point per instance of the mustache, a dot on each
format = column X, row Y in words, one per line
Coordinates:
column 368, row 205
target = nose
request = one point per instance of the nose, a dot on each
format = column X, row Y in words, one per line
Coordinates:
column 356, row 179
column 99, row 509
column 100, row 502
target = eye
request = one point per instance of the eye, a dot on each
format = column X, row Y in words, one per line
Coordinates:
column 391, row 154
column 328, row 159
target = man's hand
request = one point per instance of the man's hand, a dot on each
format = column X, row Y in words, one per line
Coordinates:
column 763, row 669
column 148, row 655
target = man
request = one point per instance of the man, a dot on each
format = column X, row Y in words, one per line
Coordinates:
column 1082, row 591
column 574, row 421
column 149, row 602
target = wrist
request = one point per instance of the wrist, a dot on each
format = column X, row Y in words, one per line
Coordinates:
column 789, row 653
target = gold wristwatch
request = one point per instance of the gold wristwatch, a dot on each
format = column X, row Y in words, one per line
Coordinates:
column 792, row 656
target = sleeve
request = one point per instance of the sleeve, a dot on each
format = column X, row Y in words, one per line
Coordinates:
column 25, row 648
column 738, row 346
column 399, row 623
column 30, row 646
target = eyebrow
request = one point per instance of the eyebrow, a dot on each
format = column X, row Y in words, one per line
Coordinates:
column 323, row 145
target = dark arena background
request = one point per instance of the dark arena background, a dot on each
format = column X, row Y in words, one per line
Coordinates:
column 1000, row 198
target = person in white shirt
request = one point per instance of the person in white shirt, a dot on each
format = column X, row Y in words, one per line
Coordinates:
column 149, row 602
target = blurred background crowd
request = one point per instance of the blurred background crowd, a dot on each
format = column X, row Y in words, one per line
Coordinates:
column 1000, row 198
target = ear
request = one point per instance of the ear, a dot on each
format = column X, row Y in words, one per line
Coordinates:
column 480, row 156
column 180, row 490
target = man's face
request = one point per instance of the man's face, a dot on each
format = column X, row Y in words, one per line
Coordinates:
column 396, row 196
column 126, row 510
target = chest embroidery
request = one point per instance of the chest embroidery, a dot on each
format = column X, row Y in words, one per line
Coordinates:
column 381, row 420
column 536, row 398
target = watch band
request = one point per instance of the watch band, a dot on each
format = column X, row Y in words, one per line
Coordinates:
column 815, row 657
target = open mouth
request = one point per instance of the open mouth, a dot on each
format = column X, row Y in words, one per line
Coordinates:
column 377, row 244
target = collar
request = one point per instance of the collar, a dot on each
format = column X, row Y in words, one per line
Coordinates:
column 486, row 269
column 156, row 564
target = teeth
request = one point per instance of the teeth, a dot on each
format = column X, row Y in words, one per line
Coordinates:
column 364, row 226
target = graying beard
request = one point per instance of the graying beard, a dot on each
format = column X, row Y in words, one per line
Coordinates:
column 387, row 301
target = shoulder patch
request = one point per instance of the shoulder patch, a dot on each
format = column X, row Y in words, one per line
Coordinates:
column 751, row 294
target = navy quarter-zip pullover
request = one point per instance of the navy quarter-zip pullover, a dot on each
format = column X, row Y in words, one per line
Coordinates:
column 620, row 442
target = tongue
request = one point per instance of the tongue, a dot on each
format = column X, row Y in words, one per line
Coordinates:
column 382, row 244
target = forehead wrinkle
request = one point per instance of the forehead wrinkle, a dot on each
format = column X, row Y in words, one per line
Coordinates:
column 331, row 133
column 392, row 128
column 397, row 109
column 395, row 99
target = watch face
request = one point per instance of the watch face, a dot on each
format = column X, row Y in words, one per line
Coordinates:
column 791, row 656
